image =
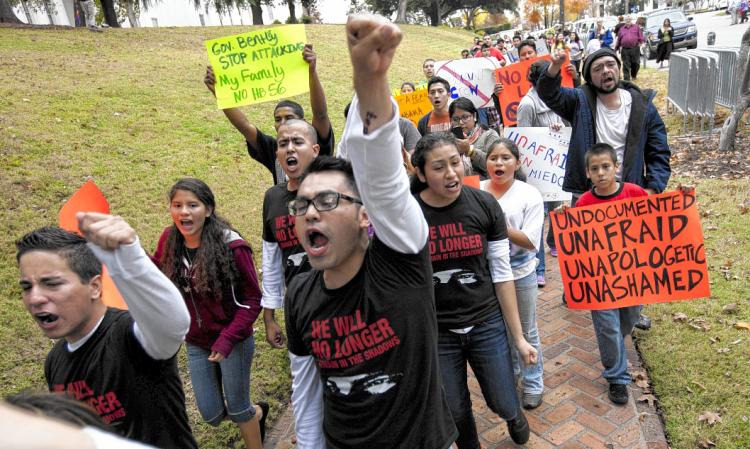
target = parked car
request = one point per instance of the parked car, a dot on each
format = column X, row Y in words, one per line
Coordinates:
column 685, row 31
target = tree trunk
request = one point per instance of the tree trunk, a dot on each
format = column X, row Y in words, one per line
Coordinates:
column 401, row 14
column 292, row 16
column 729, row 130
column 132, row 17
column 435, row 13
column 6, row 13
column 257, row 11
column 110, row 16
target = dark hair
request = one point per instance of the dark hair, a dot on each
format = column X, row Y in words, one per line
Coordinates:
column 516, row 36
column 419, row 158
column 428, row 59
column 536, row 69
column 309, row 129
column 467, row 105
column 294, row 106
column 437, row 79
column 577, row 39
column 408, row 83
column 59, row 406
column 527, row 43
column 513, row 148
column 71, row 247
column 335, row 164
column 213, row 269
column 462, row 52
column 598, row 149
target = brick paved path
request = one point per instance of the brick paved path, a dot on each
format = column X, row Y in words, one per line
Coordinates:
column 576, row 412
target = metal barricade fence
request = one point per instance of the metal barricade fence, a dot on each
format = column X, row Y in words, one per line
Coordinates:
column 729, row 82
column 698, row 80
column 677, row 87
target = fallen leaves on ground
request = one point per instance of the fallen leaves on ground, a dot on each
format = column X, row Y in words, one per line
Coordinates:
column 741, row 325
column 705, row 443
column 729, row 308
column 650, row 398
column 679, row 317
column 699, row 158
column 709, row 418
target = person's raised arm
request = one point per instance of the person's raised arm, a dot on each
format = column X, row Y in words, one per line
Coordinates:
column 320, row 120
column 160, row 315
column 373, row 140
column 561, row 100
column 235, row 116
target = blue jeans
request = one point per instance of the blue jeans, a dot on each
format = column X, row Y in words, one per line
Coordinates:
column 550, row 239
column 228, row 379
column 486, row 349
column 611, row 327
column 526, row 296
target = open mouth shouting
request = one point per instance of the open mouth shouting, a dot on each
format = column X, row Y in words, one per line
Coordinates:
column 187, row 225
column 46, row 320
column 317, row 243
column 453, row 186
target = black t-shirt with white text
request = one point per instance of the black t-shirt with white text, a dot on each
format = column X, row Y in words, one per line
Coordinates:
column 278, row 227
column 141, row 398
column 375, row 344
column 265, row 153
column 464, row 292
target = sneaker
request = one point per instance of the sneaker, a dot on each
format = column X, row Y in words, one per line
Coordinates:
column 618, row 394
column 643, row 323
column 262, row 423
column 553, row 252
column 95, row 29
column 531, row 400
column 540, row 280
column 519, row 429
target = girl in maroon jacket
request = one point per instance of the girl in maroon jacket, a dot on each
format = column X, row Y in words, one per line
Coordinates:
column 213, row 267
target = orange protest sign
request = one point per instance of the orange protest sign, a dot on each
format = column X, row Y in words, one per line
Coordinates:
column 414, row 105
column 636, row 251
column 90, row 199
column 515, row 86
column 472, row 181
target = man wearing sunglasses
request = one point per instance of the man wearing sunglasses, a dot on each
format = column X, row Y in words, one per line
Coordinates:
column 283, row 256
column 361, row 324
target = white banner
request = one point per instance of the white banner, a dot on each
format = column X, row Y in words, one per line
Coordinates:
column 472, row 78
column 544, row 154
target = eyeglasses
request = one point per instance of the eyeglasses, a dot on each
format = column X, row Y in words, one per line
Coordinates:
column 462, row 118
column 323, row 201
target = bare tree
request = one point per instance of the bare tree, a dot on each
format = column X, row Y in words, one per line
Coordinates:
column 401, row 14
column 729, row 130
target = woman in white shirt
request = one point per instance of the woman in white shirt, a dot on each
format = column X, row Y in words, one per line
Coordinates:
column 523, row 207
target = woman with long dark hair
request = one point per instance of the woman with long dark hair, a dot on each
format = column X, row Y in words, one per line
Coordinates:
column 213, row 267
column 474, row 292
column 666, row 42
column 523, row 208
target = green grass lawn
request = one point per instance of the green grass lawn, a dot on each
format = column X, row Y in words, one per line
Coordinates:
column 128, row 108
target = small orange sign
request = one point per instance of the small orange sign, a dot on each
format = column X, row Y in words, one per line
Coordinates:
column 90, row 199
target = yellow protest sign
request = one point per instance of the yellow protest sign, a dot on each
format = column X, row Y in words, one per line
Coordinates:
column 258, row 66
column 414, row 105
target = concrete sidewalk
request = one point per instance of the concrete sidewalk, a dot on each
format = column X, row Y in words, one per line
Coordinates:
column 576, row 412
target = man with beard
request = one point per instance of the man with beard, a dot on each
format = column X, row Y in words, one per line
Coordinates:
column 607, row 110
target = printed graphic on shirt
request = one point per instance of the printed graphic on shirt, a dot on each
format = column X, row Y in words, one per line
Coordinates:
column 106, row 405
column 348, row 340
column 373, row 383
